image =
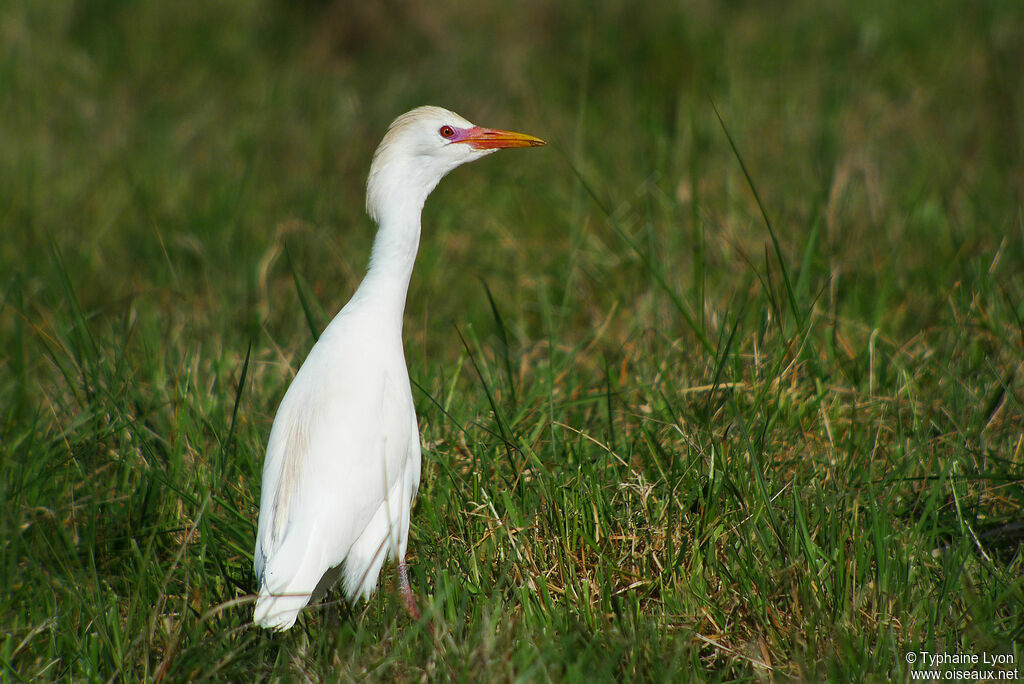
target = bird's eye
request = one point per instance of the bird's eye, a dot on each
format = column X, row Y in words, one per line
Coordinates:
column 447, row 131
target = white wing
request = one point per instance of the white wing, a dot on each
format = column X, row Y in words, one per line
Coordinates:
column 341, row 471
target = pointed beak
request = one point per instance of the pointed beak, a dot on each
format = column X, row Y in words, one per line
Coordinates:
column 493, row 139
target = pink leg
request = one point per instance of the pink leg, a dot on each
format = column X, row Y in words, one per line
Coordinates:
column 403, row 583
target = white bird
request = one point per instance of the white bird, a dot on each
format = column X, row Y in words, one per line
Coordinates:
column 343, row 460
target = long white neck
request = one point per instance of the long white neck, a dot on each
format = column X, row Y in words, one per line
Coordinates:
column 394, row 254
column 395, row 204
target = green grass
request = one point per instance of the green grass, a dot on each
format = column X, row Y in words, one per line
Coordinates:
column 732, row 398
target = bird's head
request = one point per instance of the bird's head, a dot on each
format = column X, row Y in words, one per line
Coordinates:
column 421, row 147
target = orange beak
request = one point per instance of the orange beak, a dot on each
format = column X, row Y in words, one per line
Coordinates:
column 493, row 139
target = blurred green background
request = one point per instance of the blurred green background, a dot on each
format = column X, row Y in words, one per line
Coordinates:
column 171, row 145
column 803, row 414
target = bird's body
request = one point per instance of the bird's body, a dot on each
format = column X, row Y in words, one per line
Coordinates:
column 343, row 459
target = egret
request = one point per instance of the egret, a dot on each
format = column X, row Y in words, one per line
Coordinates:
column 343, row 460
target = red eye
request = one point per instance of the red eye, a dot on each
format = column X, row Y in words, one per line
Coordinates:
column 447, row 131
